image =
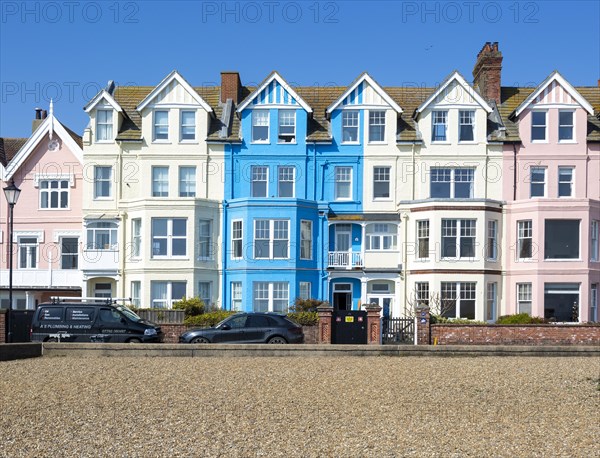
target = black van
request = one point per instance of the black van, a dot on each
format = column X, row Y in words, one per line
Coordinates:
column 100, row 321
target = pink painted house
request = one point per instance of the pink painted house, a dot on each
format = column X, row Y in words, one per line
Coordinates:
column 47, row 167
column 551, row 183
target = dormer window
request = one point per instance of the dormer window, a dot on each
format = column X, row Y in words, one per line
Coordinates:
column 439, row 126
column 188, row 125
column 350, row 127
column 467, row 126
column 260, row 126
column 287, row 126
column 565, row 125
column 376, row 126
column 161, row 125
column 538, row 126
column 104, row 125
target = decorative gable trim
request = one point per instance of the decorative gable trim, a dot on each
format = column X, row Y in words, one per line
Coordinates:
column 174, row 75
column 102, row 95
column 455, row 76
column 277, row 98
column 355, row 86
column 50, row 126
column 539, row 95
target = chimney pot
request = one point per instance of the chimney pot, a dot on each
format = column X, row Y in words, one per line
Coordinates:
column 38, row 113
column 230, row 87
column 44, row 114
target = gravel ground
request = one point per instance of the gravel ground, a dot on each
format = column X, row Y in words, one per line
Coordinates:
column 338, row 407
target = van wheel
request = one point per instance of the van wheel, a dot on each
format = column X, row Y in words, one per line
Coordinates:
column 51, row 339
column 277, row 340
column 199, row 340
column 134, row 341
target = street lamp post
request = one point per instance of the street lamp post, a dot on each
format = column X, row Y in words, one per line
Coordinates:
column 12, row 195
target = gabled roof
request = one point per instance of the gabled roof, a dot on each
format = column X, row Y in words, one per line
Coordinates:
column 455, row 76
column 555, row 76
column 376, row 87
column 9, row 147
column 277, row 77
column 174, row 75
column 102, row 95
column 50, row 126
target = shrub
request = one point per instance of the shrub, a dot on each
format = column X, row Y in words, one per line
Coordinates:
column 520, row 318
column 307, row 305
column 304, row 318
column 207, row 319
column 437, row 319
column 192, row 306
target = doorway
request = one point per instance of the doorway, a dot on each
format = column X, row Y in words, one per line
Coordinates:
column 342, row 296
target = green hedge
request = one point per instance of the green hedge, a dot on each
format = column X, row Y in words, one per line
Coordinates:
column 207, row 319
column 304, row 318
column 520, row 318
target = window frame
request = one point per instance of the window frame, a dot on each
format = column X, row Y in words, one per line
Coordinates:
column 595, row 240
column 74, row 255
column 237, row 242
column 169, row 300
column 305, row 290
column 491, row 301
column 270, row 298
column 571, row 182
column 158, row 181
column 337, row 182
column 101, row 180
column 422, row 293
column 281, row 116
column 271, row 240
column 236, row 295
column 539, row 126
column 461, row 123
column 460, row 225
column 185, row 183
column 156, row 126
column 254, row 170
column 350, row 122
column 436, row 117
column 455, row 172
column 306, row 244
column 458, row 290
column 29, row 259
column 533, row 183
column 49, row 191
column 183, row 126
column 205, row 241
column 169, row 237
column 377, row 178
column 263, row 114
column 381, row 236
column 423, row 228
column 492, row 240
column 377, row 123
column 135, row 293
column 524, row 232
column 201, row 285
column 524, row 296
column 136, row 238
column 112, row 232
column 566, row 126
column 282, row 169
column 555, row 243
column 106, row 124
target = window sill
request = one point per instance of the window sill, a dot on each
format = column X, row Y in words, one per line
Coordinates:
column 104, row 142
column 382, row 199
column 467, row 142
column 440, row 142
column 175, row 258
column 382, row 251
column 540, row 141
column 53, row 209
column 161, row 142
column 562, row 260
column 377, row 143
column 287, row 143
column 567, row 142
column 189, row 142
column 255, row 142
column 349, row 143
column 460, row 259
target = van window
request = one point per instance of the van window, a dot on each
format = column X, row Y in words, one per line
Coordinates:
column 51, row 313
column 109, row 316
column 80, row 314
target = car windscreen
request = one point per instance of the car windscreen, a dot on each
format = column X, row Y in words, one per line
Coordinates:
column 128, row 313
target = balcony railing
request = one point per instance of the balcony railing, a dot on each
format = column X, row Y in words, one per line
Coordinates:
column 345, row 259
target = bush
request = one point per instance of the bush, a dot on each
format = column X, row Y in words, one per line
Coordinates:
column 207, row 319
column 437, row 319
column 304, row 318
column 307, row 305
column 192, row 306
column 520, row 318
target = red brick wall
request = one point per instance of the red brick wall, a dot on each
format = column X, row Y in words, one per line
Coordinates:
column 230, row 86
column 2, row 326
column 544, row 334
column 173, row 331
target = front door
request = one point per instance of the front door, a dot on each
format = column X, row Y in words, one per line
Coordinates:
column 384, row 302
column 342, row 296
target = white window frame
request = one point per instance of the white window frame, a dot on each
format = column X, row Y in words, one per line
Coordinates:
column 187, row 187
column 439, row 118
column 457, row 289
column 377, row 122
column 236, row 296
column 237, row 239
column 29, row 252
column 422, row 293
column 99, row 180
column 537, row 182
column 268, row 292
column 205, row 240
column 111, row 231
column 422, row 238
column 466, row 118
column 342, row 175
column 207, row 296
column 382, row 174
column 376, row 235
column 491, row 301
column 524, row 232
column 170, row 238
column 158, row 181
column 69, row 255
column 261, row 115
column 568, row 126
column 285, row 121
column 46, row 189
column 539, row 126
column 284, row 176
column 571, row 182
column 136, row 238
column 350, row 123
column 461, row 227
column 304, row 289
column 135, row 291
column 525, row 298
column 595, row 240
column 104, row 125
column 272, row 230
column 169, row 299
column 260, row 174
column 492, row 240
column 156, row 127
column 186, row 125
column 579, row 241
column 594, row 302
column 306, row 243
column 456, row 176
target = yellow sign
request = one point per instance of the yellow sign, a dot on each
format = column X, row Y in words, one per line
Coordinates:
column 349, row 319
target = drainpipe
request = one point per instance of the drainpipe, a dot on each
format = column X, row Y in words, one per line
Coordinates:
column 514, row 172
column 412, row 150
column 404, row 260
column 121, row 253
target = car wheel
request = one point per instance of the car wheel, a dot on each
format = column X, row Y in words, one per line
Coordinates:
column 51, row 339
column 277, row 340
column 134, row 341
column 199, row 340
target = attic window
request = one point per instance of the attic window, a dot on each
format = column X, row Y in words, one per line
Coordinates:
column 287, row 126
column 538, row 126
column 104, row 125
column 350, row 127
column 161, row 125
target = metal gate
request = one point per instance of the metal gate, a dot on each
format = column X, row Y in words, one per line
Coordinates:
column 20, row 324
column 398, row 330
column 349, row 327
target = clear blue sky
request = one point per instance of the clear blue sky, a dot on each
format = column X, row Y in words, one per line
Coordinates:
column 69, row 50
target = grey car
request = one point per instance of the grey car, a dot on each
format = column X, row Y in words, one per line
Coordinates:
column 252, row 327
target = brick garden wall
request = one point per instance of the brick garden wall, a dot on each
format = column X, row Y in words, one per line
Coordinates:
column 543, row 334
column 173, row 331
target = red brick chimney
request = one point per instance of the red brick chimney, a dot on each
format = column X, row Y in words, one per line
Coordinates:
column 487, row 72
column 230, row 86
